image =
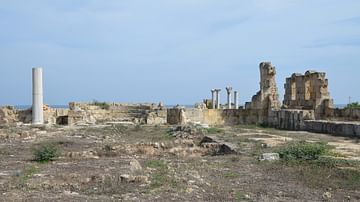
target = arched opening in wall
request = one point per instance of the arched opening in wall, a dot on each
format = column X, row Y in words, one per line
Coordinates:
column 307, row 89
column 62, row 120
column 293, row 90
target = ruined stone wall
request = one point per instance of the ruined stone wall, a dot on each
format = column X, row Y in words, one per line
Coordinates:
column 346, row 114
column 349, row 129
column 286, row 119
column 309, row 91
column 203, row 116
column 213, row 116
column 268, row 97
column 10, row 115
column 266, row 100
column 87, row 113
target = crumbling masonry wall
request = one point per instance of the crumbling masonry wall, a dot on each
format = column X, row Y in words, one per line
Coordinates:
column 267, row 99
column 309, row 92
column 88, row 113
column 10, row 115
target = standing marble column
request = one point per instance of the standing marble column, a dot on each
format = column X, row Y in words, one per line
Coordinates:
column 229, row 91
column 37, row 99
column 218, row 98
column 236, row 102
column 213, row 98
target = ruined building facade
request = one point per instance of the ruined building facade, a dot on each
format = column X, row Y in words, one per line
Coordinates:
column 268, row 97
column 307, row 105
column 308, row 92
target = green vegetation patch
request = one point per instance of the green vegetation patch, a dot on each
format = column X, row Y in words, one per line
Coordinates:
column 102, row 105
column 303, row 151
column 162, row 177
column 45, row 152
column 354, row 105
column 25, row 175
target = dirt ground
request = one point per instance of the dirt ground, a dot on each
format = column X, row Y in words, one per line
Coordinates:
column 147, row 163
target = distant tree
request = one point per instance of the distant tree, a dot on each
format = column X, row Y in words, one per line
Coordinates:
column 353, row 105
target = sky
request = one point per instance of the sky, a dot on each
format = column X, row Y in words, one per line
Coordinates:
column 173, row 51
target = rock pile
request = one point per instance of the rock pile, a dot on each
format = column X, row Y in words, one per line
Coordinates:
column 187, row 132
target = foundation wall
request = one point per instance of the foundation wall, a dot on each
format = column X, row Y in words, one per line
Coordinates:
column 349, row 129
column 83, row 113
column 342, row 114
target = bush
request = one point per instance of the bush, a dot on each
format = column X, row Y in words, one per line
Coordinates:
column 354, row 105
column 102, row 105
column 45, row 152
column 303, row 151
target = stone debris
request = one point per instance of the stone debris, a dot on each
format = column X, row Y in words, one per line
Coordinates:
column 134, row 179
column 217, row 146
column 327, row 196
column 135, row 166
column 269, row 157
column 84, row 154
column 186, row 131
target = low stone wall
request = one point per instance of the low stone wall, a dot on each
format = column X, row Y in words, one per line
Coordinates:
column 290, row 119
column 349, row 129
column 342, row 114
column 214, row 116
column 10, row 115
column 87, row 113
column 205, row 116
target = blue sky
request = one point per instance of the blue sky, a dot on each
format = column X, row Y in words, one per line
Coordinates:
column 173, row 51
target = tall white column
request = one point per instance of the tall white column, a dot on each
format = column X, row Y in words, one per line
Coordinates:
column 37, row 105
column 213, row 98
column 218, row 98
column 236, row 102
column 229, row 91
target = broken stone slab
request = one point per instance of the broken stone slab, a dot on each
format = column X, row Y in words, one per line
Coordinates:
column 134, row 179
column 135, row 166
column 269, row 157
column 217, row 146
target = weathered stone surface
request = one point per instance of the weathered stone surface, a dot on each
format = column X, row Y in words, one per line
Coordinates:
column 350, row 129
column 268, row 96
column 309, row 91
column 290, row 119
column 217, row 146
column 8, row 115
column 88, row 113
column 269, row 157
column 135, row 166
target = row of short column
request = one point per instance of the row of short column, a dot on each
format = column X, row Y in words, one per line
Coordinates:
column 215, row 98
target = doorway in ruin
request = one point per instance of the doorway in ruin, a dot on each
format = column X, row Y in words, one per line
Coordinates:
column 62, row 120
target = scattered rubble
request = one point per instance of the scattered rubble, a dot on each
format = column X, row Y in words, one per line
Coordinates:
column 269, row 157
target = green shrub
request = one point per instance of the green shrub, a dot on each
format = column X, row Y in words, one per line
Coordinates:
column 354, row 105
column 303, row 151
column 45, row 152
column 102, row 105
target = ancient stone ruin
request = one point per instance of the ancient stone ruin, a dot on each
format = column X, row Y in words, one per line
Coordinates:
column 268, row 97
column 309, row 91
column 307, row 105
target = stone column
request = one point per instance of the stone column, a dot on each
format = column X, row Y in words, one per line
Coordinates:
column 37, row 99
column 236, row 102
column 213, row 98
column 218, row 98
column 229, row 91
